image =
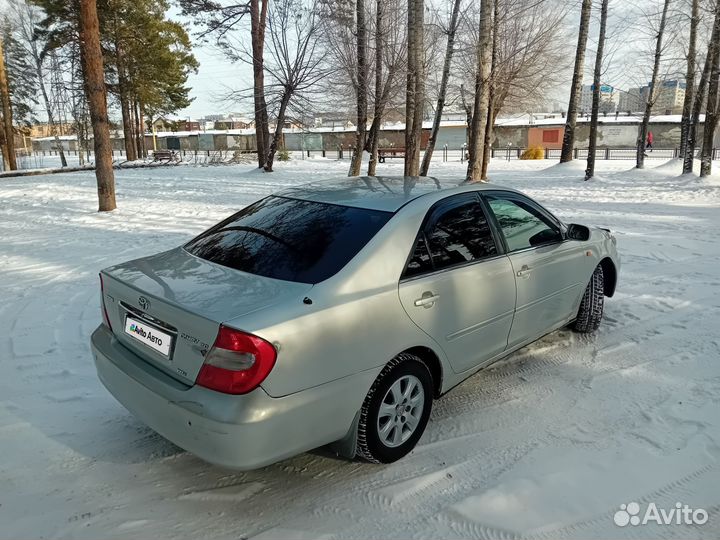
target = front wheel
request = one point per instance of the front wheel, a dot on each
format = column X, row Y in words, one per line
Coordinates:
column 396, row 410
column 592, row 304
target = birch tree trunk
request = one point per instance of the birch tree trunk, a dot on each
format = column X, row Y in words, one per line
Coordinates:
column 698, row 101
column 642, row 136
column 361, row 127
column 590, row 171
column 711, row 109
column 94, row 79
column 139, row 131
column 284, row 101
column 9, row 145
column 373, row 136
column 46, row 102
column 487, row 140
column 415, row 87
column 689, row 79
column 566, row 154
column 449, row 50
column 482, row 94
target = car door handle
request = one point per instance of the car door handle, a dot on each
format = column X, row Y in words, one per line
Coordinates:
column 428, row 300
column 524, row 271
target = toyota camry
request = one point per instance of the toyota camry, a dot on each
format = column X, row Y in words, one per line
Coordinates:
column 336, row 312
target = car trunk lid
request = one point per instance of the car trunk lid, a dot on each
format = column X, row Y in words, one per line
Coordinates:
column 168, row 307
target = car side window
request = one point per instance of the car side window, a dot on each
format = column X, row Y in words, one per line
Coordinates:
column 454, row 234
column 522, row 225
column 419, row 262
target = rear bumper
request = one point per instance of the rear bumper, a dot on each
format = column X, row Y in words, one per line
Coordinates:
column 239, row 432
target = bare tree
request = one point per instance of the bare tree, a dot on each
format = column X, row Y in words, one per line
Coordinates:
column 390, row 57
column 7, row 117
column 527, row 53
column 258, row 24
column 492, row 84
column 415, row 92
column 27, row 19
column 698, row 102
column 373, row 139
column 713, row 94
column 590, row 171
column 652, row 90
column 482, row 94
column 220, row 20
column 689, row 78
column 362, row 88
column 568, row 145
column 296, row 59
column 449, row 51
column 92, row 60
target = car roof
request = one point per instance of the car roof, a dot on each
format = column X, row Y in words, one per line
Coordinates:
column 386, row 193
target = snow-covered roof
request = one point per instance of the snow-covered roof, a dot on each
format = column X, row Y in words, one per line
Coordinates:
column 559, row 120
column 513, row 121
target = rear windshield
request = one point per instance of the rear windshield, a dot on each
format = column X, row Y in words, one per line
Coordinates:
column 289, row 239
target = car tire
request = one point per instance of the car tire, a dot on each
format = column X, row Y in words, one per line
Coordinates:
column 591, row 306
column 390, row 428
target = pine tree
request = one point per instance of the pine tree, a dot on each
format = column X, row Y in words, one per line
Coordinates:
column 94, row 77
column 150, row 59
column 17, row 84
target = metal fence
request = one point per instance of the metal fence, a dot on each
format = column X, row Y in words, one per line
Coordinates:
column 514, row 152
column 35, row 159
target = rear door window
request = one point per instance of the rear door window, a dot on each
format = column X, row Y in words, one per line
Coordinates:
column 289, row 239
column 456, row 232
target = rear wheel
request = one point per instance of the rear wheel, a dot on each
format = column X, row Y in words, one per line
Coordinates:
column 591, row 306
column 396, row 410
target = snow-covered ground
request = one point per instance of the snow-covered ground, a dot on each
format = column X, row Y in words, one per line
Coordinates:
column 547, row 444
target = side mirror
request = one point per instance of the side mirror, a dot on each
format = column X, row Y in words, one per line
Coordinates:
column 578, row 232
column 545, row 236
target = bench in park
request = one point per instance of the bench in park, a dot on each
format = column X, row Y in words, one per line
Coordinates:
column 385, row 153
column 165, row 155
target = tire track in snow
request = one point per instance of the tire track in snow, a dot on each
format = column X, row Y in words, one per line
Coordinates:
column 467, row 528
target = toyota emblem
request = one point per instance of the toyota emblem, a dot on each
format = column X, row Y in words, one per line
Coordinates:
column 144, row 303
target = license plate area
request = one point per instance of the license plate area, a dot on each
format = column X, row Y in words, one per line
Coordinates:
column 149, row 335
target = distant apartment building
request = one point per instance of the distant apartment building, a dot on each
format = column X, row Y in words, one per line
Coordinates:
column 668, row 98
column 630, row 100
column 609, row 99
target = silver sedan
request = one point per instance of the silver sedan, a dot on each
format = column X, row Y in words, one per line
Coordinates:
column 337, row 311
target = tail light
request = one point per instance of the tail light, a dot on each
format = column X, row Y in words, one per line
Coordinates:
column 105, row 317
column 237, row 362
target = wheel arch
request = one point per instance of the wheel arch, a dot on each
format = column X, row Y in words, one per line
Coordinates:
column 609, row 276
column 433, row 363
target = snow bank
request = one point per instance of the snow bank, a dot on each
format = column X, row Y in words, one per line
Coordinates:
column 549, row 443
